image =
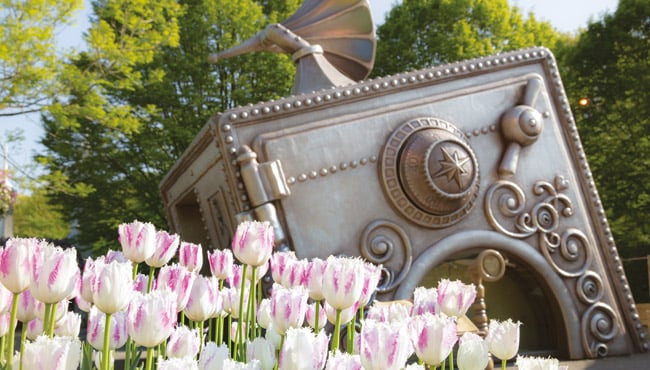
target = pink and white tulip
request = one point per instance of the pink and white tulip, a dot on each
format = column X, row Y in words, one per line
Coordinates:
column 473, row 352
column 213, row 356
column 425, row 300
column 5, row 322
column 384, row 346
column 204, row 299
column 34, row 329
column 190, row 255
column 343, row 360
column 343, row 281
column 151, row 317
column 87, row 276
column 302, row 350
column 288, row 307
column 138, row 240
column 6, row 299
column 141, row 283
column 314, row 278
column 69, row 325
column 253, row 243
column 395, row 311
column 55, row 273
column 26, row 307
column 433, row 337
column 371, row 277
column 16, row 263
column 264, row 313
column 221, row 262
column 262, row 350
column 295, row 274
column 112, row 286
column 179, row 280
column 60, row 353
column 165, row 247
column 455, row 297
column 184, row 342
column 347, row 314
column 280, row 261
column 96, row 328
column 311, row 316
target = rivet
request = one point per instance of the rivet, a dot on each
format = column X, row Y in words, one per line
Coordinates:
column 297, row 103
column 226, row 128
column 323, row 172
column 313, row 174
column 229, row 139
column 302, row 177
column 233, row 117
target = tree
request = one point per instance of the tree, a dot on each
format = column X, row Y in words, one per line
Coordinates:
column 35, row 217
column 609, row 67
column 110, row 142
column 424, row 33
column 28, row 58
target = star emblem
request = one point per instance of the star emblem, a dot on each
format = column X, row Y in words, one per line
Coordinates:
column 453, row 167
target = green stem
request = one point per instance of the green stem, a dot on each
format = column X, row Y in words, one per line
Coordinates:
column 317, row 313
column 151, row 276
column 3, row 349
column 277, row 357
column 451, row 360
column 220, row 329
column 23, row 338
column 12, row 330
column 46, row 317
column 201, row 334
column 134, row 273
column 127, row 354
column 105, row 349
column 337, row 331
column 50, row 329
column 149, row 358
column 503, row 364
column 239, row 337
column 250, row 313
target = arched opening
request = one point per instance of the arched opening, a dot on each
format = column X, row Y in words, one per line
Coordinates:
column 530, row 291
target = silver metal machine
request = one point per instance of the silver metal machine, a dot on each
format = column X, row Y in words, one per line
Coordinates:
column 475, row 161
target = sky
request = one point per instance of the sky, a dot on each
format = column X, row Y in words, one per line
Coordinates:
column 564, row 15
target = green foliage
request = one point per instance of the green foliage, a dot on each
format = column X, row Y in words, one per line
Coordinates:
column 424, row 33
column 28, row 60
column 35, row 217
column 130, row 116
column 610, row 66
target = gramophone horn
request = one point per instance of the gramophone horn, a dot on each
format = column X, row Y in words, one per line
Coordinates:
column 343, row 28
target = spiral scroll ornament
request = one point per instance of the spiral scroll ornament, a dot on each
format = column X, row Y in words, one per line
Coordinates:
column 600, row 323
column 379, row 244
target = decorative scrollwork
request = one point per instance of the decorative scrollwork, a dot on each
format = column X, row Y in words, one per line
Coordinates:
column 600, row 322
column 378, row 245
column 569, row 252
column 590, row 288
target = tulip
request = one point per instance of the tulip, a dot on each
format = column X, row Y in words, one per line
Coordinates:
column 288, row 307
column 342, row 360
column 302, row 350
column 184, row 342
column 59, row 310
column 204, row 299
column 425, row 300
column 112, row 286
column 230, row 364
column 69, row 325
column 5, row 321
column 54, row 273
column 82, row 304
column 191, row 256
column 371, row 277
column 231, row 297
column 26, row 307
column 316, row 316
column 264, row 313
column 314, row 278
column 259, row 271
column 454, row 297
column 16, row 263
column 537, row 363
column 295, row 274
column 112, row 255
column 342, row 287
column 345, row 316
column 34, row 329
column 221, row 263
column 433, row 337
column 58, row 353
column 6, row 299
column 262, row 350
column 184, row 363
column 151, row 318
column 87, row 277
column 96, row 329
column 472, row 352
column 165, row 247
column 279, row 262
column 253, row 243
column 141, row 283
column 273, row 337
column 384, row 346
column 393, row 311
column 235, row 280
column 503, row 339
column 138, row 240
column 212, row 356
column 179, row 280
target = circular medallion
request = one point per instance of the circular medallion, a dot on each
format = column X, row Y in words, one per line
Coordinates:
column 430, row 172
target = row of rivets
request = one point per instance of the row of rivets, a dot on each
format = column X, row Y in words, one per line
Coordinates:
column 324, row 171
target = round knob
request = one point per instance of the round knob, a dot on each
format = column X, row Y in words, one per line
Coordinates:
column 522, row 124
column 430, row 172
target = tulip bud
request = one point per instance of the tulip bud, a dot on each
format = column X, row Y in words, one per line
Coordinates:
column 288, row 307
column 55, row 273
column 137, row 240
column 96, row 328
column 384, row 346
column 253, row 243
column 454, row 297
column 343, row 360
column 503, row 339
column 221, row 263
column 304, row 350
column 213, row 356
column 262, row 350
column 151, row 317
column 112, row 286
column 184, row 342
column 16, row 263
column 343, row 281
column 472, row 352
column 433, row 337
column 165, row 247
column 191, row 256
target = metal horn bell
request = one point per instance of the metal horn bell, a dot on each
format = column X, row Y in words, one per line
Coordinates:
column 332, row 43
